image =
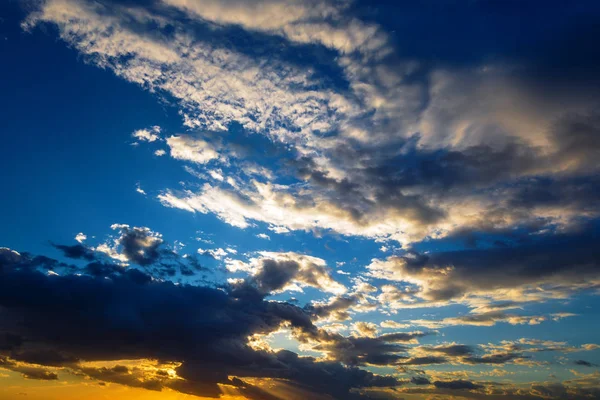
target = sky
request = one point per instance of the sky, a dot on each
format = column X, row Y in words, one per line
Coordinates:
column 291, row 199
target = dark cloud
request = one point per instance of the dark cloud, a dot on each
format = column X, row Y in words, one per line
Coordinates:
column 275, row 272
column 558, row 260
column 57, row 320
column 454, row 350
column 497, row 358
column 122, row 375
column 388, row 349
column 456, row 385
column 27, row 371
column 578, row 138
column 139, row 245
column 584, row 363
column 337, row 307
column 275, row 275
column 420, row 380
column 77, row 251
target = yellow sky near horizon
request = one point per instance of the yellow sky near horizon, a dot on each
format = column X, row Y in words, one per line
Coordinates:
column 69, row 387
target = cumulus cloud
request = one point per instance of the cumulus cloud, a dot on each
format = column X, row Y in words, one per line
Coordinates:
column 139, row 245
column 147, row 135
column 201, row 328
column 277, row 272
column 191, row 149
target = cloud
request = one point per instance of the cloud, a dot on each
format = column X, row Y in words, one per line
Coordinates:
column 272, row 272
column 383, row 350
column 217, row 253
column 139, row 189
column 490, row 318
column 367, row 329
column 550, row 266
column 337, row 308
column 27, row 371
column 456, row 385
column 139, row 245
column 483, row 156
column 192, row 149
column 205, row 329
column 302, row 22
column 373, row 144
column 147, row 135
column 584, row 363
column 80, row 237
column 77, row 251
column 419, row 380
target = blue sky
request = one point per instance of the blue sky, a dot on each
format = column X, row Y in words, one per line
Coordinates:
column 405, row 192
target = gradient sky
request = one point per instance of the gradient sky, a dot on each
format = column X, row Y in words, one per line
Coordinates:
column 285, row 199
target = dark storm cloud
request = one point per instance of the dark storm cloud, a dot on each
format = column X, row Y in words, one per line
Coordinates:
column 58, row 320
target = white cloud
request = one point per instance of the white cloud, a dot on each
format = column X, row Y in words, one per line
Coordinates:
column 139, row 189
column 263, row 236
column 147, row 135
column 394, row 325
column 217, row 253
column 298, row 21
column 192, row 149
column 81, row 237
column 216, row 174
column 160, row 152
column 274, row 204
